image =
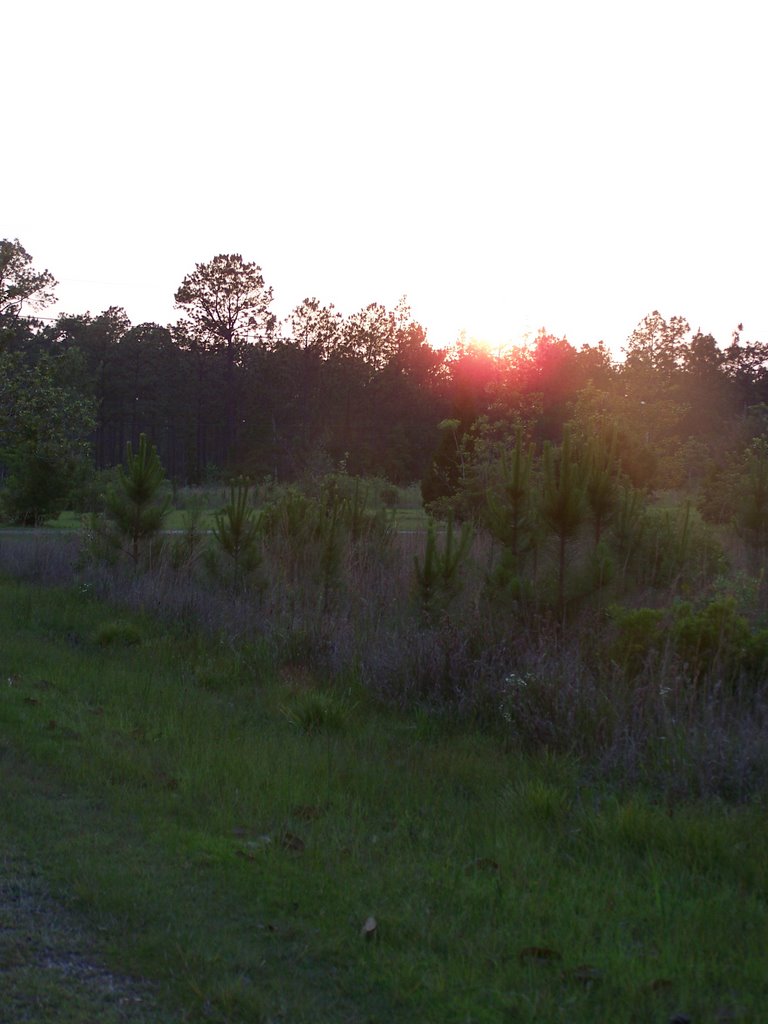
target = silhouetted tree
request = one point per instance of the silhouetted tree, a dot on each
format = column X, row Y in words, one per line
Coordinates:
column 20, row 283
column 227, row 302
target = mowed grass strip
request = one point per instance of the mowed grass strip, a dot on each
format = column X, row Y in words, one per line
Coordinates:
column 263, row 848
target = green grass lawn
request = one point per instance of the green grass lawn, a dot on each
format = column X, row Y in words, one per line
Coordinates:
column 406, row 519
column 261, row 849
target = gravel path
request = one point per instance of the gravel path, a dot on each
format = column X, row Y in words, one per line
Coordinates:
column 50, row 970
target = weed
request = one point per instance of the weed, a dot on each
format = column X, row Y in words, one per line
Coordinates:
column 117, row 633
column 314, row 711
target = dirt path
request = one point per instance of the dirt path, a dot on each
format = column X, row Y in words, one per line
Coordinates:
column 50, row 970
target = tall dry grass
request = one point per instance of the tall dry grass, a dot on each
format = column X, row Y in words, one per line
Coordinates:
column 500, row 666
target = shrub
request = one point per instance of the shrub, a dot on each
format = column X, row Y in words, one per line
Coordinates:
column 638, row 637
column 714, row 640
column 36, row 490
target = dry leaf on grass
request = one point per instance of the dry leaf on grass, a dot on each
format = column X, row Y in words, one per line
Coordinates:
column 538, row 954
column 292, row 843
column 482, row 864
column 306, row 812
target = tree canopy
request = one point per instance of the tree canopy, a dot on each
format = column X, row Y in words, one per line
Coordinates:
column 229, row 389
column 225, row 298
column 20, row 283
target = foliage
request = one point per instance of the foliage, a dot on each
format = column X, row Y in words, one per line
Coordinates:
column 752, row 517
column 20, row 282
column 237, row 530
column 225, row 296
column 225, row 302
column 562, row 503
column 509, row 511
column 602, row 480
column 189, row 547
column 134, row 506
column 673, row 548
column 44, row 423
column 711, row 643
column 438, row 576
column 719, row 498
column 639, row 635
column 446, row 472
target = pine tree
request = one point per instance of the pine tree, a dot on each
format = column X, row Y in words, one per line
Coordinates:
column 134, row 505
column 563, row 505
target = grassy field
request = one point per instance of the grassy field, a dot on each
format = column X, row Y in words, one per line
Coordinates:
column 234, row 843
column 406, row 519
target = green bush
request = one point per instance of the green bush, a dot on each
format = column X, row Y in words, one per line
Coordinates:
column 673, row 547
column 36, row 490
column 638, row 637
column 713, row 639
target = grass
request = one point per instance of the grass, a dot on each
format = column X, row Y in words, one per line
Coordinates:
column 406, row 519
column 226, row 828
column 52, row 965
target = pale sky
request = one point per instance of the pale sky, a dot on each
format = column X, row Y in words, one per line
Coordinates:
column 505, row 165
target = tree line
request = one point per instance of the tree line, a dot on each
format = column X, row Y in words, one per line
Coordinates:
column 231, row 389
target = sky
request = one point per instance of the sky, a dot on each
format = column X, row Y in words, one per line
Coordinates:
column 506, row 166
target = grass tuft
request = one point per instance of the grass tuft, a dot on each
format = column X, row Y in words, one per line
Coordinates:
column 117, row 633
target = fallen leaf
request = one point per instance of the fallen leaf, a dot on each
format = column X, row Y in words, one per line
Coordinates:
column 166, row 781
column 31, row 700
column 660, row 984
column 370, row 928
column 541, row 954
column 306, row 812
column 482, row 864
column 292, row 843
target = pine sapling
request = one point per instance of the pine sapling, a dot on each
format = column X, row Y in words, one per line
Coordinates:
column 134, row 504
column 438, row 577
column 602, row 471
column 562, row 506
column 236, row 529
column 508, row 516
